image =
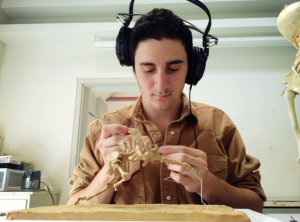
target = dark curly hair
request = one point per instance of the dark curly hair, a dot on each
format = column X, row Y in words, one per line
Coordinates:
column 159, row 24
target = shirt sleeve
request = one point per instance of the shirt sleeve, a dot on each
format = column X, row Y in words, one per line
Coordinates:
column 242, row 168
column 91, row 162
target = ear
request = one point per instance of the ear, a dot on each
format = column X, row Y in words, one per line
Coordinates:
column 133, row 73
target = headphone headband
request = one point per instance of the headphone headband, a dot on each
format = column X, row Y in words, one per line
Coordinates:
column 206, row 41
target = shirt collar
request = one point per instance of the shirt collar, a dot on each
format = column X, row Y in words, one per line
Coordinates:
column 135, row 110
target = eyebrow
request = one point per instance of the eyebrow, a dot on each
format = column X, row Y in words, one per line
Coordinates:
column 178, row 61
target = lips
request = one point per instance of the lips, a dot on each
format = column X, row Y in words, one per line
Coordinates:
column 161, row 96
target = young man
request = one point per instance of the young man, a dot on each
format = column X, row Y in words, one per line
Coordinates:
column 161, row 52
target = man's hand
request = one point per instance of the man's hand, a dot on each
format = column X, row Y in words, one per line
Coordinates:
column 110, row 136
column 215, row 190
column 196, row 158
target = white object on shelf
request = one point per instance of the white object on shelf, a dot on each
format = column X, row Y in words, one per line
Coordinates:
column 10, row 179
column 11, row 159
column 45, row 180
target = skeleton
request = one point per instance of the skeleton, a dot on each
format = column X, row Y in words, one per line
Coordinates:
column 140, row 148
column 288, row 24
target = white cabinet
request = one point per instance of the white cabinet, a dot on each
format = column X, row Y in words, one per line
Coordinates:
column 23, row 200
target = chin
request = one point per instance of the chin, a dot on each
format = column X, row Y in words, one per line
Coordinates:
column 160, row 106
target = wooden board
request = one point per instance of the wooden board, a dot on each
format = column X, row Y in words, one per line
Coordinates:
column 146, row 212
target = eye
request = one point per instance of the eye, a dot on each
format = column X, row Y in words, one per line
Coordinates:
column 173, row 70
column 148, row 71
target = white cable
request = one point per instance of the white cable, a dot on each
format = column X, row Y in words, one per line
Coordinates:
column 194, row 171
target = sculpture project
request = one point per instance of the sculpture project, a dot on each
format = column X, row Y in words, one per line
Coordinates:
column 140, row 148
column 288, row 24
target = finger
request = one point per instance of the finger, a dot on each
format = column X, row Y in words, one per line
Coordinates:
column 113, row 140
column 200, row 163
column 126, row 133
column 182, row 178
column 181, row 149
column 180, row 169
column 187, row 178
column 176, row 168
column 109, row 129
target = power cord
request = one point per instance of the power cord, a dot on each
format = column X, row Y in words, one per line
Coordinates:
column 49, row 192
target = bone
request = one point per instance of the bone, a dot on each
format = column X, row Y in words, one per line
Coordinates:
column 139, row 149
column 107, row 186
column 288, row 22
column 292, row 79
column 289, row 96
column 297, row 62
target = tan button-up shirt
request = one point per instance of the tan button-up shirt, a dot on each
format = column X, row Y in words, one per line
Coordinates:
column 216, row 135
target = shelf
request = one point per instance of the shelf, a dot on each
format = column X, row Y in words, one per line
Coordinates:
column 282, row 204
column 25, row 193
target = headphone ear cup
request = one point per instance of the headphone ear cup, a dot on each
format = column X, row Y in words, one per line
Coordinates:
column 197, row 66
column 122, row 46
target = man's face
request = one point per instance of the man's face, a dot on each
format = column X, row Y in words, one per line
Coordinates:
column 160, row 68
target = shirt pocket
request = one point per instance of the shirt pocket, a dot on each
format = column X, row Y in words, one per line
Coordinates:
column 217, row 165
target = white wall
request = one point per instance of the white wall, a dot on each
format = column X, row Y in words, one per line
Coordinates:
column 2, row 46
column 101, row 106
column 92, row 106
column 37, row 101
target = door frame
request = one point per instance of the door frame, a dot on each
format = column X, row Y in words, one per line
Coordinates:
column 83, row 89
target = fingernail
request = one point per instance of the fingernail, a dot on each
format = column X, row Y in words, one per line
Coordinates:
column 161, row 149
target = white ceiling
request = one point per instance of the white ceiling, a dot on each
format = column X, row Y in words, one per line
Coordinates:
column 57, row 11
column 69, row 22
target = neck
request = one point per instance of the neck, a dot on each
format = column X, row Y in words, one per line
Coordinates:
column 162, row 118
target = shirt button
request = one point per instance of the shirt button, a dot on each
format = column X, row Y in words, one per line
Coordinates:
column 76, row 183
column 154, row 135
column 172, row 132
column 168, row 197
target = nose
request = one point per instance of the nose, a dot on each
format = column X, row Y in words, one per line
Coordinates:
column 162, row 81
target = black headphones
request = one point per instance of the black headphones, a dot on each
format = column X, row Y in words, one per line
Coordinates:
column 198, row 62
